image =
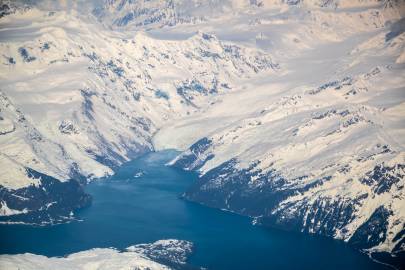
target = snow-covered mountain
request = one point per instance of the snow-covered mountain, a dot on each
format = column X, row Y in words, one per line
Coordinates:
column 77, row 100
column 292, row 112
column 160, row 255
column 318, row 147
column 149, row 14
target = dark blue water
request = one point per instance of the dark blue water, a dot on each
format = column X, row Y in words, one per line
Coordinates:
column 127, row 210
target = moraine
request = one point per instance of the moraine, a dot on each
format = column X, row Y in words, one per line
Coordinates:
column 142, row 203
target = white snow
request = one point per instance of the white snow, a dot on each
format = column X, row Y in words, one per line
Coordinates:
column 134, row 257
column 5, row 211
column 89, row 260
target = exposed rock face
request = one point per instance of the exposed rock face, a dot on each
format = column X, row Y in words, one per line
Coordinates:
column 49, row 202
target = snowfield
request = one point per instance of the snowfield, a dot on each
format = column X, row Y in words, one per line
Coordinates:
column 141, row 257
column 292, row 112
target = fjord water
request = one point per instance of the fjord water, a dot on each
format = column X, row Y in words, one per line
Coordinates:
column 142, row 204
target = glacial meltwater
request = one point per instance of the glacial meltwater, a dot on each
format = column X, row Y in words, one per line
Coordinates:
column 142, row 203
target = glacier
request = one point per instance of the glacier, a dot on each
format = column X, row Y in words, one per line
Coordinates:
column 292, row 112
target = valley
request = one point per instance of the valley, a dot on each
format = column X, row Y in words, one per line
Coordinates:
column 288, row 113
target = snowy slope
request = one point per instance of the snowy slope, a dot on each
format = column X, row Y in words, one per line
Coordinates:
column 144, row 256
